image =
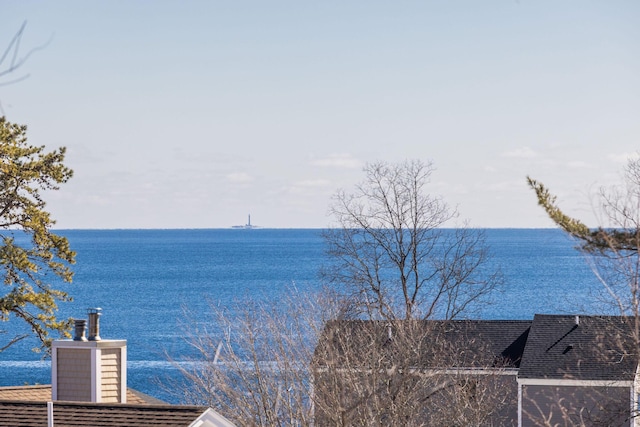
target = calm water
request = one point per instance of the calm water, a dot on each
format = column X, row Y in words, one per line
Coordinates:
column 143, row 280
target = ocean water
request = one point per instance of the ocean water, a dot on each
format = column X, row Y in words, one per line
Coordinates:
column 144, row 280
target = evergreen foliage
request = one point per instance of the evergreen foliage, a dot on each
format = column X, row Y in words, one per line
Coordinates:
column 27, row 269
column 621, row 238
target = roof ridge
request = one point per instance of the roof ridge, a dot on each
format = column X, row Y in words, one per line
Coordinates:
column 27, row 386
column 105, row 404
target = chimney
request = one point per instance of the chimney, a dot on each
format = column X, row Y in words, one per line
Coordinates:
column 89, row 370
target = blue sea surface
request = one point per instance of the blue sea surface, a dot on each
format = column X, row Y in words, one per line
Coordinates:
column 144, row 280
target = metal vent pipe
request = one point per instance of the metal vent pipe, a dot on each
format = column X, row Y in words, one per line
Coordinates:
column 94, row 323
column 80, row 326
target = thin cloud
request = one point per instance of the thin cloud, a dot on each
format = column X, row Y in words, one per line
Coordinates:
column 313, row 183
column 578, row 164
column 623, row 157
column 502, row 186
column 345, row 161
column 521, row 153
column 239, row 178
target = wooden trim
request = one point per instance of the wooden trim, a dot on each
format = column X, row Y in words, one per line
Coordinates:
column 573, row 382
column 54, row 373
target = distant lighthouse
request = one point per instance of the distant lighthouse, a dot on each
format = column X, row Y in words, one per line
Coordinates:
column 247, row 226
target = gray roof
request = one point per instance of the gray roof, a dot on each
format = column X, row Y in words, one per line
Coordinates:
column 435, row 344
column 593, row 348
column 549, row 347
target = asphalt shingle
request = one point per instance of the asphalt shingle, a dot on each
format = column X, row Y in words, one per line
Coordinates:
column 42, row 393
column 580, row 347
column 433, row 344
column 75, row 414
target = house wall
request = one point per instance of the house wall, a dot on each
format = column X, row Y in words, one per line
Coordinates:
column 111, row 375
column 74, row 374
column 576, row 405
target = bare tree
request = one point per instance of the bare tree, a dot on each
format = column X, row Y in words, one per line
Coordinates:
column 299, row 363
column 391, row 254
column 413, row 373
column 252, row 360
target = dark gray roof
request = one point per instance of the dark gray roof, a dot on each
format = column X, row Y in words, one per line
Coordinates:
column 593, row 348
column 434, row 344
column 75, row 414
column 550, row 347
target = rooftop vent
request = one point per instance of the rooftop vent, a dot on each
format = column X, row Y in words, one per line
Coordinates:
column 80, row 326
column 94, row 323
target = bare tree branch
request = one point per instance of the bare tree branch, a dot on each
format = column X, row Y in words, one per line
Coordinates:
column 392, row 253
column 11, row 59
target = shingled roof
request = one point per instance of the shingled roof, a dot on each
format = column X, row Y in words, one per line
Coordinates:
column 42, row 393
column 434, row 344
column 27, row 406
column 580, row 347
column 76, row 414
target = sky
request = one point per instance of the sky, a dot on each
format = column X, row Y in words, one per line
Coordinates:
column 194, row 114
